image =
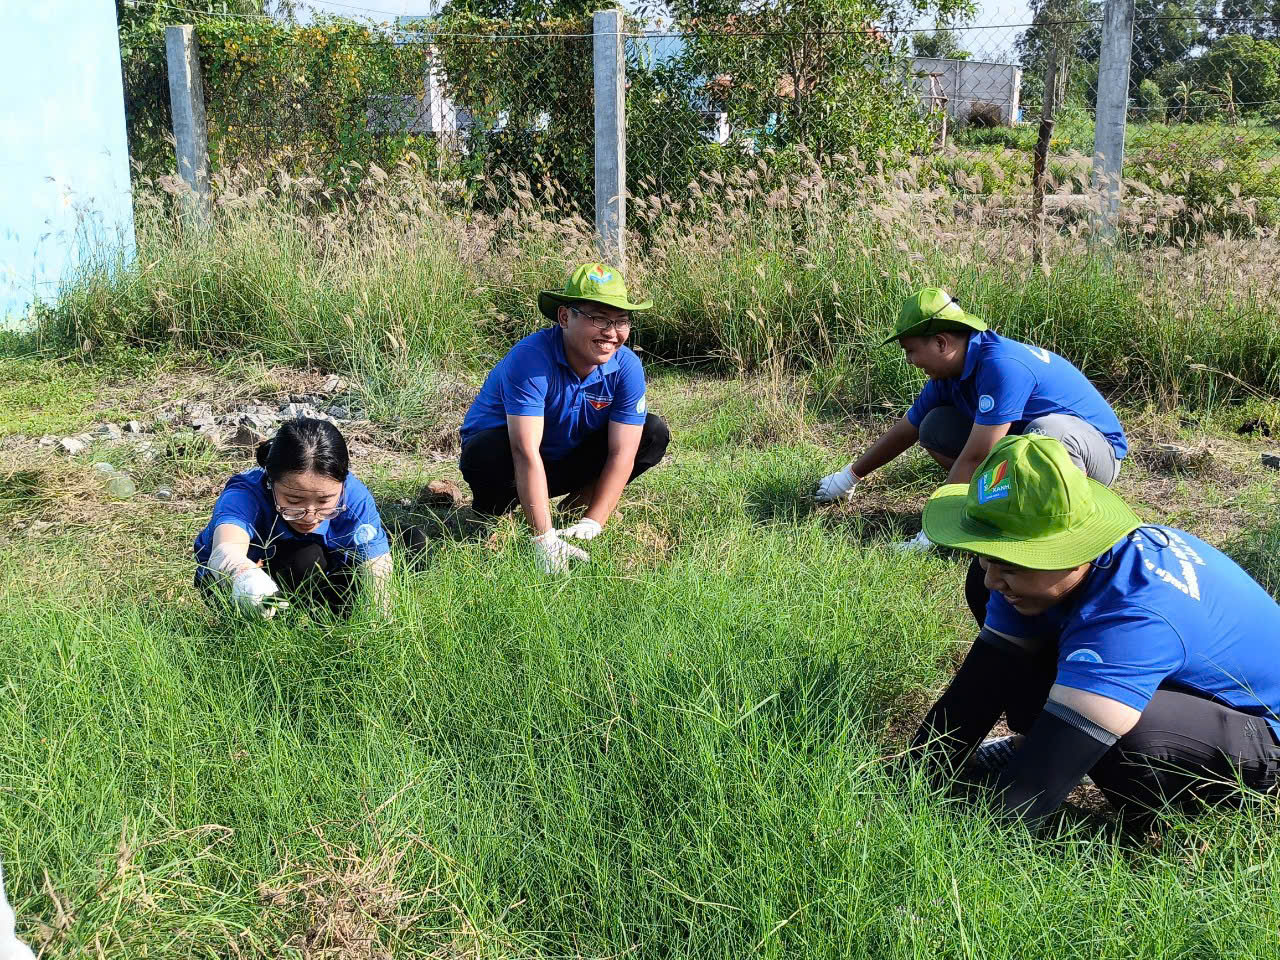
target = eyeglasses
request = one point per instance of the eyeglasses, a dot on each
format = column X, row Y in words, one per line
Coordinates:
column 297, row 513
column 603, row 323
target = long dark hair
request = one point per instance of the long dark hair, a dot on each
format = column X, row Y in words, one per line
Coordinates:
column 305, row 445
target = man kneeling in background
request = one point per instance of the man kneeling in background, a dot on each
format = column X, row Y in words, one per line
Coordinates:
column 564, row 412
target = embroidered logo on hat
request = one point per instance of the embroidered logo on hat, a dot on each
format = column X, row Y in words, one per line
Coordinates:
column 599, row 275
column 994, row 484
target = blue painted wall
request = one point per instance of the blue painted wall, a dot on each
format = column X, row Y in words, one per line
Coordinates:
column 64, row 160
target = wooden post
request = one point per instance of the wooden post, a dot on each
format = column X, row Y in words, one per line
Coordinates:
column 190, row 132
column 611, row 138
column 1113, row 107
column 1042, row 153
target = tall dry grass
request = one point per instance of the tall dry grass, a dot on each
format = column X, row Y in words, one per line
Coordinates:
column 794, row 263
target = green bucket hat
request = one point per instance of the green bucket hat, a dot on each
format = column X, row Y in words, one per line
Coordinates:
column 932, row 310
column 591, row 281
column 1029, row 505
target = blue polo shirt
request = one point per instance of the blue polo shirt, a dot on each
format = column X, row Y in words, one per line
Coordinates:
column 1006, row 381
column 355, row 535
column 1162, row 608
column 534, row 379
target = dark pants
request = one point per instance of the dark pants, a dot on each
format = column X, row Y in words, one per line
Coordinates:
column 311, row 574
column 306, row 573
column 489, row 468
column 1185, row 749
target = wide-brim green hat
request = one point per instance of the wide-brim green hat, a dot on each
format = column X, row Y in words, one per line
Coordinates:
column 933, row 310
column 591, row 281
column 1030, row 506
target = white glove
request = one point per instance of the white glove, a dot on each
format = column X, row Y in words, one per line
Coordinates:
column 916, row 544
column 11, row 948
column 584, row 529
column 554, row 554
column 250, row 589
column 836, row 485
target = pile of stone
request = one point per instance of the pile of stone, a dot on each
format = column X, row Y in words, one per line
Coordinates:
column 186, row 423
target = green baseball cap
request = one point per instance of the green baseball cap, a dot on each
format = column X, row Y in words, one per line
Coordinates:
column 933, row 310
column 591, row 281
column 1029, row 505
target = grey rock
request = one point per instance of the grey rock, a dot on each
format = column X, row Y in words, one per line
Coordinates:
column 331, row 385
column 247, row 437
column 166, row 416
column 49, row 440
column 338, row 411
column 109, row 431
column 103, row 467
column 357, row 414
column 296, row 409
column 259, row 421
column 134, row 426
column 164, row 493
column 72, row 445
column 1271, row 460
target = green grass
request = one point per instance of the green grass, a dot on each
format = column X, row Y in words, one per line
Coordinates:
column 678, row 751
column 758, row 274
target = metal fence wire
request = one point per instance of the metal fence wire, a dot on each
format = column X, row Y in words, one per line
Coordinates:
column 503, row 109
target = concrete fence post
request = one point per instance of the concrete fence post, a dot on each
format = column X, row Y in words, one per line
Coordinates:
column 611, row 136
column 190, row 133
column 1113, row 108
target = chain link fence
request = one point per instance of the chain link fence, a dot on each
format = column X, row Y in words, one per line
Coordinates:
column 506, row 110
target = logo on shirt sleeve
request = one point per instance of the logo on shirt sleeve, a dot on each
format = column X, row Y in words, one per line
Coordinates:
column 994, row 484
column 640, row 405
column 1083, row 656
column 365, row 533
column 986, row 403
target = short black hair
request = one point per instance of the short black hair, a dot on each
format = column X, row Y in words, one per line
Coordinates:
column 305, row 445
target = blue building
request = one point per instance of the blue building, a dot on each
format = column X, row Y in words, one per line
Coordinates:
column 64, row 160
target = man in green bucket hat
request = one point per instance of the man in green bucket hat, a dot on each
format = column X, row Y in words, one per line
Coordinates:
column 1137, row 654
column 564, row 412
column 982, row 387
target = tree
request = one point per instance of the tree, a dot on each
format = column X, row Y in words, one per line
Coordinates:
column 939, row 44
column 831, row 75
column 1243, row 68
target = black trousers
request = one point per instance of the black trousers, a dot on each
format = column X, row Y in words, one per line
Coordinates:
column 1185, row 749
column 306, row 573
column 489, row 468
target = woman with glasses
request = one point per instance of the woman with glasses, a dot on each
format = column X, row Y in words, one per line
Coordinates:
column 564, row 412
column 300, row 525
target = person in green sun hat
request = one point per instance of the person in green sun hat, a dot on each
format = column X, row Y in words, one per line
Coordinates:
column 1134, row 653
column 982, row 387
column 564, row 412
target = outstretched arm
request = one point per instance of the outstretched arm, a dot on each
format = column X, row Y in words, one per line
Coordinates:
column 1071, row 734
column 624, row 441
column 531, row 473
column 892, row 443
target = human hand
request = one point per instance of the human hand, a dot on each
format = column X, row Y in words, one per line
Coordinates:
column 835, row 486
column 554, row 554
column 584, row 529
column 916, row 544
column 255, row 593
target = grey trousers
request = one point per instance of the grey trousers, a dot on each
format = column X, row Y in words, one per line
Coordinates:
column 945, row 430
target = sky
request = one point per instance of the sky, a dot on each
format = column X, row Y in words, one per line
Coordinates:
column 984, row 44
